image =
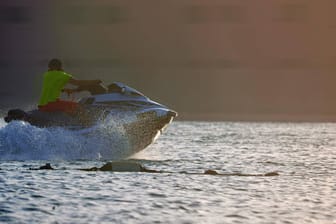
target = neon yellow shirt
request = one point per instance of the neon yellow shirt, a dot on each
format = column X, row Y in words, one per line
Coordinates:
column 53, row 83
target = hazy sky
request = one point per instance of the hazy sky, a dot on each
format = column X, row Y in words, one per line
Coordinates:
column 228, row 59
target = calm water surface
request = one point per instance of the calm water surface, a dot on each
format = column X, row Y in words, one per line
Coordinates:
column 304, row 154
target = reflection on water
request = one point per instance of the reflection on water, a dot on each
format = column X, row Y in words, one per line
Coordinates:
column 304, row 192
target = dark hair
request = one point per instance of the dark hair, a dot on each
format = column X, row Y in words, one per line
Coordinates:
column 55, row 64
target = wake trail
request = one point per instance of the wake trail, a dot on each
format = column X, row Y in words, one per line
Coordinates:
column 105, row 141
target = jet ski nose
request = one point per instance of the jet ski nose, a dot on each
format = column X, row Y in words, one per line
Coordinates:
column 172, row 113
column 164, row 113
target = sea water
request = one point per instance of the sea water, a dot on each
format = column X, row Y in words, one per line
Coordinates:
column 304, row 155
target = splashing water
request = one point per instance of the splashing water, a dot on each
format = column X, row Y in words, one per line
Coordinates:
column 105, row 141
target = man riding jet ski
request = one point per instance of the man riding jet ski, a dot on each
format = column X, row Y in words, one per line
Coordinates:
column 54, row 81
column 145, row 118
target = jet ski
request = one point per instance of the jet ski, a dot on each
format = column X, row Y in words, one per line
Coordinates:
column 142, row 118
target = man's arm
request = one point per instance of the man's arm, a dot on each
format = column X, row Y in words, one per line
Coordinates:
column 92, row 86
column 77, row 82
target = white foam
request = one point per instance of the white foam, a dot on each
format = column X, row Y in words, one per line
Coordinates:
column 2, row 123
column 22, row 141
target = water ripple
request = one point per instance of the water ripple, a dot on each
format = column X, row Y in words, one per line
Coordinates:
column 305, row 191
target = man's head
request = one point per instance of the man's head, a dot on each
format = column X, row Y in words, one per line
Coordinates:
column 55, row 65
